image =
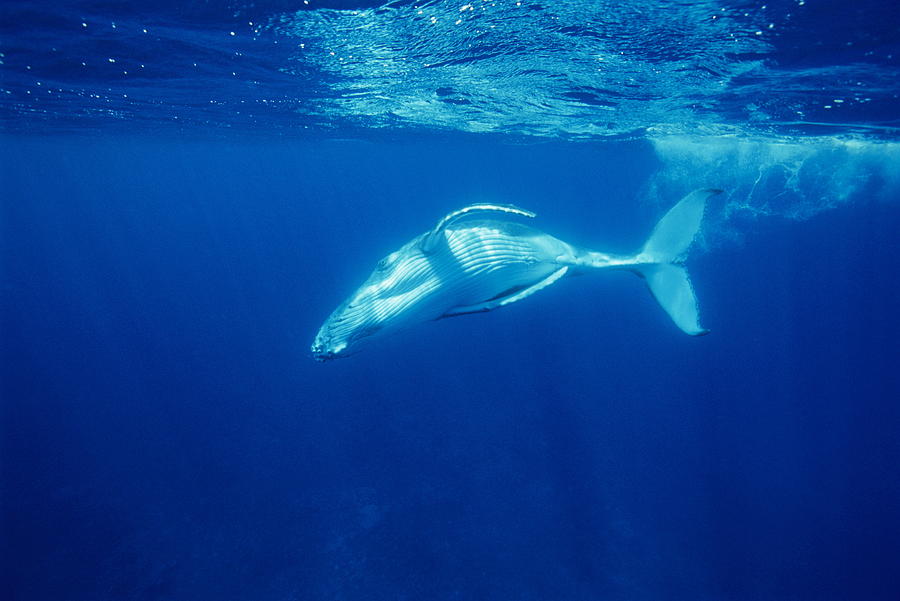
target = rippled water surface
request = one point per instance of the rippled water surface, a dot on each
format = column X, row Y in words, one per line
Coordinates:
column 549, row 69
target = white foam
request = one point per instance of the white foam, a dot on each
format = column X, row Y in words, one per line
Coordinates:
column 786, row 178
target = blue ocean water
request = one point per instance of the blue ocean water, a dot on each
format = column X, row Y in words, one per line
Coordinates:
column 189, row 189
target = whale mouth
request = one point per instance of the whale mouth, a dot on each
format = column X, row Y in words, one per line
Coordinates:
column 322, row 352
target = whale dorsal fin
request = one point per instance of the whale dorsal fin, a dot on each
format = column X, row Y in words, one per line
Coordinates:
column 431, row 238
column 518, row 295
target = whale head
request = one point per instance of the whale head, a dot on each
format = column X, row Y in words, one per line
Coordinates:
column 386, row 301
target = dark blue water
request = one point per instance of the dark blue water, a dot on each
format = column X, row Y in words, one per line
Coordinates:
column 167, row 260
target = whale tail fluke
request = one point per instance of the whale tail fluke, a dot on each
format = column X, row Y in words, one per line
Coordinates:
column 659, row 261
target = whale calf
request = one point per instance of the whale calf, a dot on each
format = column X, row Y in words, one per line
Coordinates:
column 469, row 264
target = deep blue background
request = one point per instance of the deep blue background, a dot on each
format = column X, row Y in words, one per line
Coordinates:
column 166, row 436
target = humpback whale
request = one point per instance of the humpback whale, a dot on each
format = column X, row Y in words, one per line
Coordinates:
column 469, row 264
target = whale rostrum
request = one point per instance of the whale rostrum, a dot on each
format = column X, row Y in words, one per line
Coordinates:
column 469, row 264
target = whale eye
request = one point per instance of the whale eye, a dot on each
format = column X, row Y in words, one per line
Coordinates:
column 384, row 264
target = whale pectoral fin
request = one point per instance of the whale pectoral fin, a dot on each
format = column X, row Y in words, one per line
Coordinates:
column 513, row 296
column 487, row 305
column 534, row 288
column 431, row 239
column 467, row 309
